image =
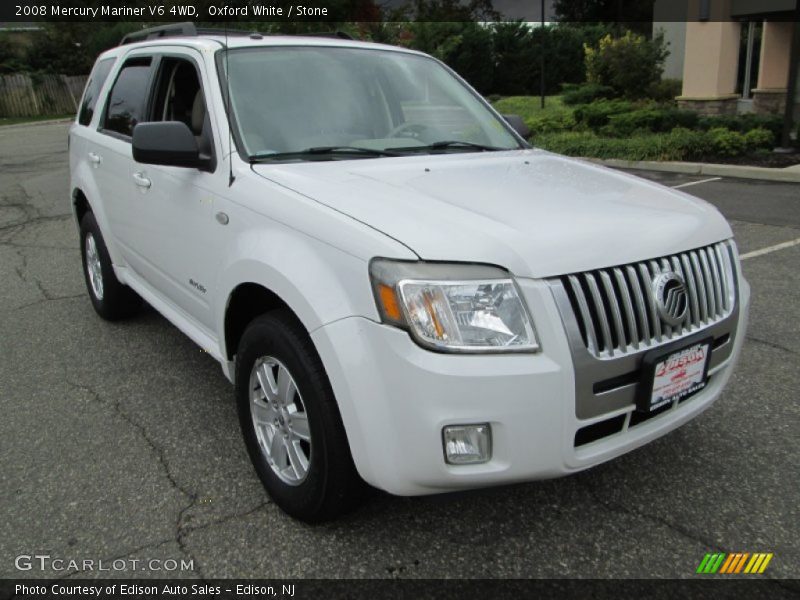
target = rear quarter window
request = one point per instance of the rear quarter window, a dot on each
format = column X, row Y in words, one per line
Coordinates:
column 127, row 99
column 96, row 80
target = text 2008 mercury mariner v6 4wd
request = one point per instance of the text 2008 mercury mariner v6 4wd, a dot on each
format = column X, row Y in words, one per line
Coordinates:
column 402, row 290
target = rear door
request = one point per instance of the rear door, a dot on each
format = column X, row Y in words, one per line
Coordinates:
column 84, row 149
column 126, row 105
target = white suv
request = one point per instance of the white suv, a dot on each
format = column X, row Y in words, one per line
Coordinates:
column 402, row 290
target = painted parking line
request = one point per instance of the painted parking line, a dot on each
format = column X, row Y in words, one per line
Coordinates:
column 770, row 249
column 683, row 185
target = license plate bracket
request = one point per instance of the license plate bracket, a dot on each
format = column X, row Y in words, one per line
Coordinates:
column 673, row 373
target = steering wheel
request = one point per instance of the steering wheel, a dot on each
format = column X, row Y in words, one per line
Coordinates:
column 413, row 129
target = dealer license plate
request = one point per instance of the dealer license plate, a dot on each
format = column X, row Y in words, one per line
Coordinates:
column 679, row 375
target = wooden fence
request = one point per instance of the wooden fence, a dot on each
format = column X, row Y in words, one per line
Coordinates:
column 23, row 95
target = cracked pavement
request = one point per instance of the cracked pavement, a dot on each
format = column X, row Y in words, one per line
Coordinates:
column 121, row 440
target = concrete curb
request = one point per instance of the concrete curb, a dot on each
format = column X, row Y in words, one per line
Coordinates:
column 787, row 174
column 36, row 123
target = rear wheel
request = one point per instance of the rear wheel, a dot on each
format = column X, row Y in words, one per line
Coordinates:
column 291, row 423
column 111, row 299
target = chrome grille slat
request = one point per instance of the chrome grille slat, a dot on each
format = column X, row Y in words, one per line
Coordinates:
column 723, row 255
column 608, row 344
column 716, row 279
column 630, row 317
column 616, row 316
column 701, row 286
column 692, row 285
column 641, row 307
column 616, row 310
column 583, row 307
column 709, row 285
column 723, row 279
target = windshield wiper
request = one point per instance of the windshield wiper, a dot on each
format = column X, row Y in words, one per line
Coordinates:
column 322, row 151
column 445, row 144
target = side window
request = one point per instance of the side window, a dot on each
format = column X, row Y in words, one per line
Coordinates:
column 127, row 100
column 96, row 81
column 179, row 97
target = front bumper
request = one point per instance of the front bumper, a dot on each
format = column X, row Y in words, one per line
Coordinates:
column 396, row 397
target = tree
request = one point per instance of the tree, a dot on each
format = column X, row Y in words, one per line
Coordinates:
column 71, row 48
column 636, row 15
column 451, row 10
column 464, row 46
column 629, row 64
column 9, row 59
column 516, row 59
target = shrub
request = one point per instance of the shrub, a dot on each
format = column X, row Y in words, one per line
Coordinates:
column 679, row 144
column 548, row 122
column 656, row 120
column 597, row 114
column 725, row 142
column 744, row 123
column 687, row 144
column 629, row 64
column 586, row 93
column 759, row 138
column 554, row 117
column 665, row 90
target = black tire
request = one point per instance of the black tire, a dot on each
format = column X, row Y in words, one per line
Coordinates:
column 331, row 486
column 117, row 301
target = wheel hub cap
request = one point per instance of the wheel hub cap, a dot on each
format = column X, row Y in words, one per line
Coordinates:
column 280, row 420
column 93, row 267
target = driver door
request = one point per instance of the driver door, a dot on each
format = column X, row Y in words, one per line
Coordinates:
column 176, row 241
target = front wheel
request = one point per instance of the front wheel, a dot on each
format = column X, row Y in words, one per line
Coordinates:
column 291, row 423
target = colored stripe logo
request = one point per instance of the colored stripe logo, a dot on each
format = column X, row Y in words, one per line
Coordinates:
column 734, row 563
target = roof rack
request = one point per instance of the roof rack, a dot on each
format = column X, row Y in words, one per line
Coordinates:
column 190, row 30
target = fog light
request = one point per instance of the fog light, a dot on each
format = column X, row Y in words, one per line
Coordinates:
column 467, row 444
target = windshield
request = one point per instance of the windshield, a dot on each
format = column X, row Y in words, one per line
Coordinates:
column 289, row 100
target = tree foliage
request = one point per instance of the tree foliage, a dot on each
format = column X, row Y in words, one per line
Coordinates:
column 630, row 64
column 629, row 14
column 71, row 48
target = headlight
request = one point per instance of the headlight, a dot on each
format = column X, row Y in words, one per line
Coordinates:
column 453, row 307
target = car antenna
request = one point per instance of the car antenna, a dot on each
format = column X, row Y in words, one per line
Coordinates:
column 231, row 178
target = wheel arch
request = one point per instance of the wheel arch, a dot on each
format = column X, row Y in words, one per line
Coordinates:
column 80, row 204
column 245, row 302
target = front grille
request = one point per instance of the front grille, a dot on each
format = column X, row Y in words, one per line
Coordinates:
column 615, row 308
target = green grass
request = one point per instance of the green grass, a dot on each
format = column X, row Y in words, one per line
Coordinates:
column 529, row 107
column 19, row 120
column 555, row 116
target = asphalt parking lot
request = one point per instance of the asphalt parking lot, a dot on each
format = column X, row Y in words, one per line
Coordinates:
column 121, row 440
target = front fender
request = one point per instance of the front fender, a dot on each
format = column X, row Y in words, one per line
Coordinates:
column 320, row 283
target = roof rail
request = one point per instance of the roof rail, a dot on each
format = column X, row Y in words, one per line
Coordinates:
column 151, row 33
column 189, row 29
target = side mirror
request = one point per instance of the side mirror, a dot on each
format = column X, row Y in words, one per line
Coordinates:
column 169, row 143
column 518, row 125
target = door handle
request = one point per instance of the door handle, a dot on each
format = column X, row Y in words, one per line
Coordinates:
column 142, row 181
column 95, row 159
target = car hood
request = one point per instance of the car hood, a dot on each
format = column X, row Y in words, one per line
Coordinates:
column 530, row 211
